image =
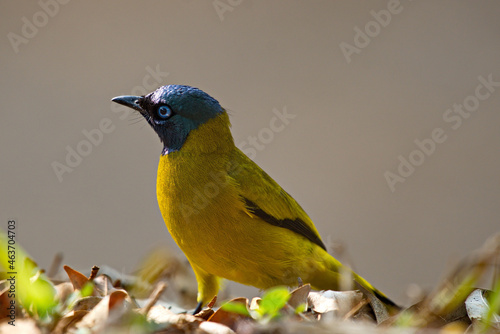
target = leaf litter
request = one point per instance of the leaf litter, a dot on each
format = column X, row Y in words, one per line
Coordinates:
column 160, row 296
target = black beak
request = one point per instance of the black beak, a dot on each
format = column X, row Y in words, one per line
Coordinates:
column 130, row 101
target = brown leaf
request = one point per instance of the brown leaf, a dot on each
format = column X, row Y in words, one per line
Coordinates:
column 230, row 319
column 86, row 303
column 299, row 296
column 68, row 321
column 114, row 305
column 212, row 302
column 63, row 291
column 76, row 278
column 207, row 312
column 116, row 298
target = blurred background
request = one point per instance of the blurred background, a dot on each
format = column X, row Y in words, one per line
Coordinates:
column 391, row 142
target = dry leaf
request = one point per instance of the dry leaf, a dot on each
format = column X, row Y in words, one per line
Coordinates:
column 340, row 302
column 379, row 309
column 76, row 278
column 23, row 326
column 230, row 319
column 215, row 328
column 299, row 296
column 68, row 321
column 477, row 307
column 63, row 291
column 116, row 298
column 207, row 312
column 161, row 315
column 103, row 284
column 255, row 303
column 114, row 305
column 86, row 303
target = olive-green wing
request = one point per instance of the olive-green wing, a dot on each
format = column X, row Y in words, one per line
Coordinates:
column 264, row 198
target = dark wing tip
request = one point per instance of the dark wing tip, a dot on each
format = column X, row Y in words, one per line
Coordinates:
column 296, row 225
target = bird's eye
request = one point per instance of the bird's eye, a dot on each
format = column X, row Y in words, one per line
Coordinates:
column 164, row 112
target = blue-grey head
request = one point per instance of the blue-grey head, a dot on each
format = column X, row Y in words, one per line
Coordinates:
column 173, row 112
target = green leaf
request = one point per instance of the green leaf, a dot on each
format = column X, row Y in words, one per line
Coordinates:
column 273, row 301
column 300, row 309
column 87, row 289
column 494, row 309
column 32, row 288
column 236, row 307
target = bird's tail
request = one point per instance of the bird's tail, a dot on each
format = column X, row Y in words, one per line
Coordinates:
column 379, row 294
column 339, row 277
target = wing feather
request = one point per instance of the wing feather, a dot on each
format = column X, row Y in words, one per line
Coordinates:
column 264, row 198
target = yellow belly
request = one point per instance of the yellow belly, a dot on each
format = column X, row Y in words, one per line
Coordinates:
column 206, row 218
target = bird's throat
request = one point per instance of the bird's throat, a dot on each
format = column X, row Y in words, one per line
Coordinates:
column 184, row 176
column 214, row 136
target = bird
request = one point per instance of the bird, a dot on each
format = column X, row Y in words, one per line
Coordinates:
column 227, row 215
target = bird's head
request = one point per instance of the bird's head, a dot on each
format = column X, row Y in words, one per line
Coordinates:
column 173, row 112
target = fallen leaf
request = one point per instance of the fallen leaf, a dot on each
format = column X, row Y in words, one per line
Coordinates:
column 298, row 296
column 86, row 303
column 76, row 278
column 161, row 315
column 103, row 284
column 340, row 302
column 116, row 298
column 215, row 328
column 379, row 309
column 114, row 305
column 255, row 303
column 68, row 321
column 22, row 326
column 207, row 312
column 63, row 291
column 478, row 307
column 228, row 318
